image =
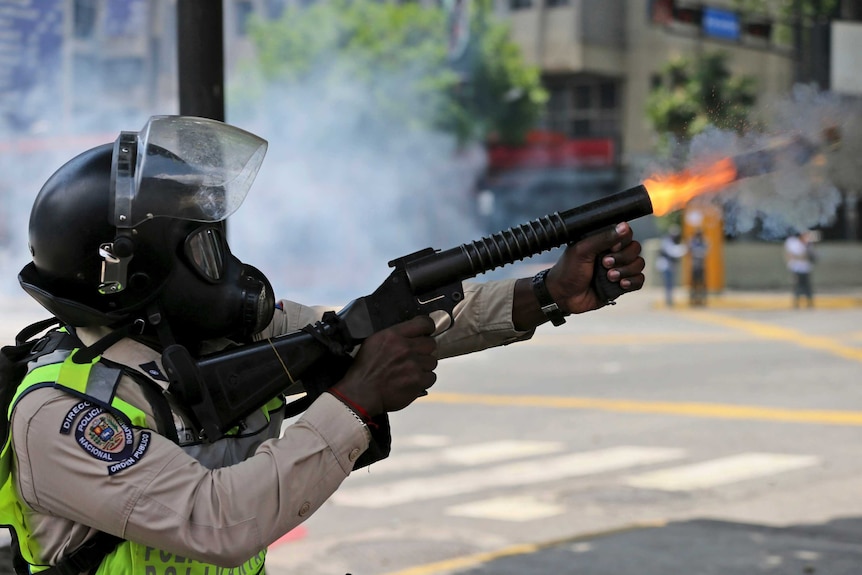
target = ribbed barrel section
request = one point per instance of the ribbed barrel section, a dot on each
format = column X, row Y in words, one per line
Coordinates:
column 526, row 240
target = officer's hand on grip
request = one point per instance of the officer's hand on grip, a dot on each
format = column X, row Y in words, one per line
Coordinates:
column 570, row 281
column 392, row 368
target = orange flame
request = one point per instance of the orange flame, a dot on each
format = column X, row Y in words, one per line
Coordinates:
column 669, row 192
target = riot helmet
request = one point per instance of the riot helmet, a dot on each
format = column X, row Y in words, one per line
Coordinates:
column 134, row 231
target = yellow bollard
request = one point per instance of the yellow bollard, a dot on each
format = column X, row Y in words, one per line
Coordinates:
column 708, row 219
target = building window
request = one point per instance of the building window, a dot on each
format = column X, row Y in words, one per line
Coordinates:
column 555, row 3
column 520, row 4
column 556, row 111
column 583, row 97
column 608, row 96
column 583, row 106
column 275, row 8
column 580, row 128
column 84, row 14
column 122, row 74
column 244, row 10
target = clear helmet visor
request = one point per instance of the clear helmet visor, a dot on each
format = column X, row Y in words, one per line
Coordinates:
column 183, row 167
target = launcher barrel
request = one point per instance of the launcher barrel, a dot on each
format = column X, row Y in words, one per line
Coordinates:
column 526, row 240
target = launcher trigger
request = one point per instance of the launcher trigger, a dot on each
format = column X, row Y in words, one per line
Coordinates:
column 439, row 304
column 442, row 319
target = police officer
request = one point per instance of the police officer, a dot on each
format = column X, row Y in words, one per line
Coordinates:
column 107, row 470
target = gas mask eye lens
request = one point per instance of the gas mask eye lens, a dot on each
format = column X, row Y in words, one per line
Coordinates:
column 205, row 250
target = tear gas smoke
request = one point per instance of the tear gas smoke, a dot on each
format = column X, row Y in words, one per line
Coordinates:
column 778, row 189
column 345, row 187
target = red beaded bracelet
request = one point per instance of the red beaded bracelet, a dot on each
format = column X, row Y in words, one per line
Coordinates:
column 357, row 409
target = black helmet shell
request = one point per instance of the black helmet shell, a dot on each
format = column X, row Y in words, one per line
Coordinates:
column 68, row 224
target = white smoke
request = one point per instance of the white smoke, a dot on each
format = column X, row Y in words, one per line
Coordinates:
column 788, row 195
column 343, row 189
column 346, row 187
column 26, row 163
column 24, row 172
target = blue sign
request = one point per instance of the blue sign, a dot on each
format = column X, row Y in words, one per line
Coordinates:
column 718, row 23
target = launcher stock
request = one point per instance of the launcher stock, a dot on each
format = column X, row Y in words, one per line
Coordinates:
column 224, row 388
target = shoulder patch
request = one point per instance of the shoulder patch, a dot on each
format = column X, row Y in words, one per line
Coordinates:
column 104, row 436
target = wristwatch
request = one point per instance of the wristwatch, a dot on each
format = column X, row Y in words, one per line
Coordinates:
column 549, row 307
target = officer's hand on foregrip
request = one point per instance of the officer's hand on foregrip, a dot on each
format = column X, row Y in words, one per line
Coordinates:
column 596, row 270
column 392, row 368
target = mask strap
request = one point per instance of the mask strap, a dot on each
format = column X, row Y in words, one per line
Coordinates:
column 88, row 354
column 163, row 330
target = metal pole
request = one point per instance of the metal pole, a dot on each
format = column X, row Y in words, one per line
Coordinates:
column 798, row 53
column 200, row 48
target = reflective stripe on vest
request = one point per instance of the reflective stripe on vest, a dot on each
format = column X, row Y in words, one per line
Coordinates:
column 131, row 558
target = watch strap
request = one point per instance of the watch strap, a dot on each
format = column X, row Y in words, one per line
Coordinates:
column 549, row 307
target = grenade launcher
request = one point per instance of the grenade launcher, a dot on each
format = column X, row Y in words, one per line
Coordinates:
column 223, row 388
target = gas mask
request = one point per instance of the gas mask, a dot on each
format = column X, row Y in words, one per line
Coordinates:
column 211, row 293
column 192, row 173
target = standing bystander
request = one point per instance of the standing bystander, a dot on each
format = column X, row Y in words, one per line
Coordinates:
column 697, row 249
column 799, row 257
column 671, row 250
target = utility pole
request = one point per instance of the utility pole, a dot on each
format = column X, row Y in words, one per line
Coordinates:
column 798, row 52
column 200, row 47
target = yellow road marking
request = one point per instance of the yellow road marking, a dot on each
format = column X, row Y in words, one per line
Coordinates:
column 522, row 549
column 777, row 333
column 689, row 409
column 693, row 409
column 652, row 338
column 769, row 302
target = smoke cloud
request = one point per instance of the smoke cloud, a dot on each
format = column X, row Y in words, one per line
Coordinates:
column 789, row 194
column 346, row 187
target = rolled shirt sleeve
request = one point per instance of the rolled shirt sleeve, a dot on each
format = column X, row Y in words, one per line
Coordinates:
column 482, row 320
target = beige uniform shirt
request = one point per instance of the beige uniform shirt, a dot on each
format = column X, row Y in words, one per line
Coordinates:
column 221, row 512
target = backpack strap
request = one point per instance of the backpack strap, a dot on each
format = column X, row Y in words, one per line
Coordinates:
column 28, row 332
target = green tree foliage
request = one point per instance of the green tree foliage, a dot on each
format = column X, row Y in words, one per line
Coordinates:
column 787, row 9
column 785, row 14
column 694, row 94
column 487, row 90
column 699, row 92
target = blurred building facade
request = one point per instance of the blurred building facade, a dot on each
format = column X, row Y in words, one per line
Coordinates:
column 64, row 64
column 599, row 59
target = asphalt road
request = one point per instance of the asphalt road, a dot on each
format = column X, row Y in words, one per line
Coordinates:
column 633, row 440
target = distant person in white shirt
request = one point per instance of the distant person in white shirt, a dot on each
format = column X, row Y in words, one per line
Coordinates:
column 671, row 250
column 799, row 257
